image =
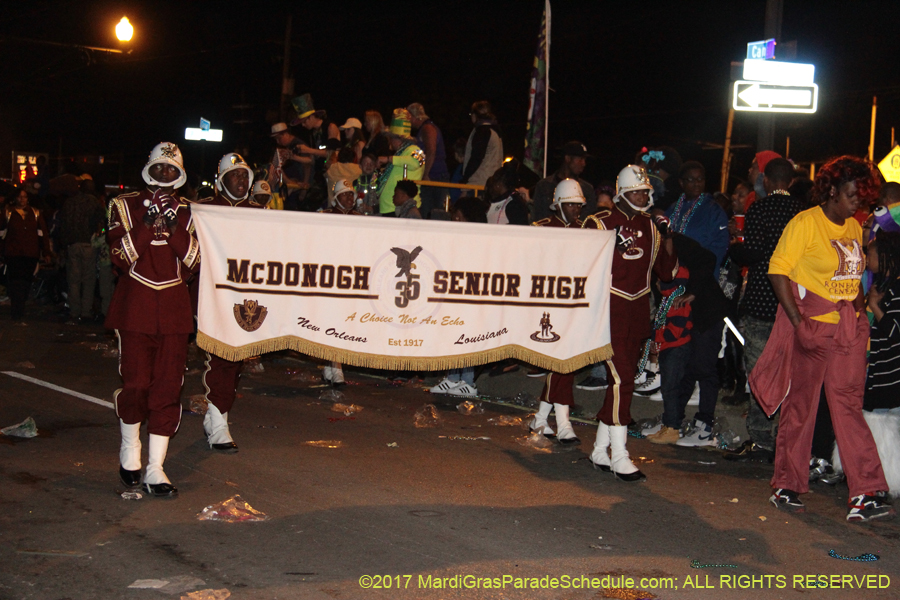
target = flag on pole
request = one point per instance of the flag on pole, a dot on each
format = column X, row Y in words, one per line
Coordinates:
column 536, row 133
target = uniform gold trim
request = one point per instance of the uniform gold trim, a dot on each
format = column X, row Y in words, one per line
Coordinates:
column 403, row 363
column 128, row 245
column 193, row 253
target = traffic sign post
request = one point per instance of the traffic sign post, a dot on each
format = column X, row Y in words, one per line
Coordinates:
column 757, row 96
column 762, row 50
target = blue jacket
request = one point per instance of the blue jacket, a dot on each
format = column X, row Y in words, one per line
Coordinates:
column 708, row 226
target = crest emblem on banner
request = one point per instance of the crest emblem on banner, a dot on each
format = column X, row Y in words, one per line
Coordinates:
column 250, row 315
column 546, row 333
column 409, row 289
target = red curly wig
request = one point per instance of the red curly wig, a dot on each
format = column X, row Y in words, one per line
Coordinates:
column 843, row 169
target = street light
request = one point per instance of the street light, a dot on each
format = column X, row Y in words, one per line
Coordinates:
column 124, row 30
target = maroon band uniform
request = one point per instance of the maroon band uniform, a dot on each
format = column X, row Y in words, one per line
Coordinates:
column 221, row 377
column 558, row 386
column 629, row 307
column 151, row 310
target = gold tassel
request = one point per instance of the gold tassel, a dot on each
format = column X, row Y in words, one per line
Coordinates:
column 403, row 363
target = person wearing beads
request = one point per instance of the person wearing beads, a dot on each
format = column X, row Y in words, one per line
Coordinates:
column 557, row 394
column 819, row 338
column 154, row 249
column 643, row 247
column 765, row 221
column 697, row 216
column 881, row 403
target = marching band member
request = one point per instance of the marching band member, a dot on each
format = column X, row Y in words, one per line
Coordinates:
column 557, row 393
column 344, row 203
column 153, row 246
column 221, row 377
column 642, row 246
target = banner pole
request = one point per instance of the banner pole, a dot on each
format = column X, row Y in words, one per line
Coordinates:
column 547, row 85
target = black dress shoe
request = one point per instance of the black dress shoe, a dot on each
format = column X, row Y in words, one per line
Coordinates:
column 161, row 490
column 129, row 478
column 604, row 468
column 226, row 448
column 630, row 477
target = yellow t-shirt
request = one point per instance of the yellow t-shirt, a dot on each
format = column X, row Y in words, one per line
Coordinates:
column 824, row 258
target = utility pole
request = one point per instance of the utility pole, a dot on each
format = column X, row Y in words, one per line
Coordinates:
column 766, row 133
column 287, row 83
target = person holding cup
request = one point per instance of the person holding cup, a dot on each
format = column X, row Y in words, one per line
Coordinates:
column 761, row 229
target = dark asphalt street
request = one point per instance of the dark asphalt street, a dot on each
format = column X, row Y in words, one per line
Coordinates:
column 431, row 507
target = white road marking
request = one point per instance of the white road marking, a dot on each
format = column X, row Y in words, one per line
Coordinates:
column 59, row 389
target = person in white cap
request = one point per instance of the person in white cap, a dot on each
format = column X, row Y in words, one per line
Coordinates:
column 261, row 193
column 344, row 202
column 154, row 249
column 643, row 246
column 353, row 137
column 221, row 377
column 557, row 393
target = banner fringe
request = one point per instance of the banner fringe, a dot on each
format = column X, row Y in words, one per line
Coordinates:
column 403, row 363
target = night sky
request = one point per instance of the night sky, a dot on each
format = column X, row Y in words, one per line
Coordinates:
column 623, row 75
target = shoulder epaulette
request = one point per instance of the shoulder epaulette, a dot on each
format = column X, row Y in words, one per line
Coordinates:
column 542, row 222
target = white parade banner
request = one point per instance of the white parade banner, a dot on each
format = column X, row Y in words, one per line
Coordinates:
column 401, row 293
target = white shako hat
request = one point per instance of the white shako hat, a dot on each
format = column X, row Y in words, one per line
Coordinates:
column 230, row 162
column 567, row 190
column 633, row 178
column 165, row 152
column 261, row 187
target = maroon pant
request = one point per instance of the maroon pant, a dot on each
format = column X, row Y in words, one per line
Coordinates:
column 152, row 369
column 558, row 389
column 629, row 327
column 844, row 377
column 221, row 380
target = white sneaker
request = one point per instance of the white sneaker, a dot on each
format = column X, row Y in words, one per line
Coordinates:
column 463, row 390
column 699, row 436
column 648, row 431
column 652, row 384
column 445, row 386
column 695, row 397
column 656, row 396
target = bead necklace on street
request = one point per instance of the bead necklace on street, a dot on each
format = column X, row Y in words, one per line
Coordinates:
column 867, row 557
column 679, row 221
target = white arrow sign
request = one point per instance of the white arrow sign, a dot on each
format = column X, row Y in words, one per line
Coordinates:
column 767, row 97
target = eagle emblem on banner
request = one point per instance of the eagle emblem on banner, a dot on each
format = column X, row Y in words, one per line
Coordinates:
column 250, row 315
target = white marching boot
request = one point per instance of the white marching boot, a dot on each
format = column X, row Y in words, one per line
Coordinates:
column 600, row 454
column 215, row 424
column 130, row 454
column 565, row 435
column 539, row 422
column 620, row 463
column 155, row 481
column 337, row 373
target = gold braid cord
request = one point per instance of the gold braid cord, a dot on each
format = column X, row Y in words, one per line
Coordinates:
column 403, row 363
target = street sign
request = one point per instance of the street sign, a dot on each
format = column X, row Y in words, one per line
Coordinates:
column 780, row 72
column 210, row 135
column 764, row 49
column 757, row 96
column 890, row 165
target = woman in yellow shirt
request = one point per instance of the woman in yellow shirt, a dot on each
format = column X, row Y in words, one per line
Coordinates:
column 815, row 272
